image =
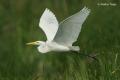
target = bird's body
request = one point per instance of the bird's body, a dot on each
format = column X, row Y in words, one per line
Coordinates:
column 60, row 36
column 53, row 46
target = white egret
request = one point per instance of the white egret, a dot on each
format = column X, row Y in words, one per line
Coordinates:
column 60, row 36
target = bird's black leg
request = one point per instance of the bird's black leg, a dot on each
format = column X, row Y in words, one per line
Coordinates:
column 93, row 57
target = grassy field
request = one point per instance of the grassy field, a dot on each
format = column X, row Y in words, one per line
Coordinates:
column 100, row 35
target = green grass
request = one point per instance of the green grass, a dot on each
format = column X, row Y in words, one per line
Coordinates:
column 100, row 35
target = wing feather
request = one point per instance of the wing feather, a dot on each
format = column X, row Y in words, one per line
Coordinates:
column 49, row 24
column 70, row 28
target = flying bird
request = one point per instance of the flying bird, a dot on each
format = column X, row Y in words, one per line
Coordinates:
column 60, row 36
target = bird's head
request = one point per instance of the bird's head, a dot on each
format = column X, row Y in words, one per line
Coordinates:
column 41, row 46
column 35, row 43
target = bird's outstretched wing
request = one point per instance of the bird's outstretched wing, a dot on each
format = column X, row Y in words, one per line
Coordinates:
column 49, row 24
column 70, row 28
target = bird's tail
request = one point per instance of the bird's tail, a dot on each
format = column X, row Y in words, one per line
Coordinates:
column 75, row 48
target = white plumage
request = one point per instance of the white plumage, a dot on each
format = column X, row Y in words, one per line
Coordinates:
column 70, row 28
column 49, row 24
column 60, row 37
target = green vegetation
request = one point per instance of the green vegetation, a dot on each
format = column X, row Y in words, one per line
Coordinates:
column 100, row 35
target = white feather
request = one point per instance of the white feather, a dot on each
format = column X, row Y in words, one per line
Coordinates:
column 49, row 24
column 70, row 28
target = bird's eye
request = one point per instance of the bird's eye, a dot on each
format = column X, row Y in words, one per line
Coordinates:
column 37, row 42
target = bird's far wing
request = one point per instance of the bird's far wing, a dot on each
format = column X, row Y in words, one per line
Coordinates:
column 49, row 24
column 70, row 28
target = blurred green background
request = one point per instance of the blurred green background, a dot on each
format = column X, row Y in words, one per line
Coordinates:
column 100, row 35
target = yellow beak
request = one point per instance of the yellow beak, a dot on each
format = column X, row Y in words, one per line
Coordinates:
column 31, row 43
